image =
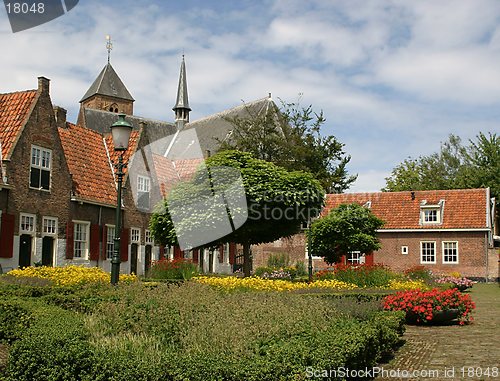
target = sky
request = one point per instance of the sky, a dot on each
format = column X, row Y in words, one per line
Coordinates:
column 393, row 78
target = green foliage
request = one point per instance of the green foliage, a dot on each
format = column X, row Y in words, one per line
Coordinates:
column 54, row 347
column 179, row 268
column 344, row 229
column 361, row 275
column 293, row 132
column 419, row 273
column 456, row 166
column 15, row 317
column 194, row 332
column 278, row 260
column 301, row 268
column 278, row 202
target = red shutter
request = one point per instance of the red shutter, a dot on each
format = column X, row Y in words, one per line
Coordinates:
column 94, row 242
column 178, row 252
column 7, row 235
column 232, row 253
column 104, row 241
column 369, row 258
column 162, row 252
column 124, row 245
column 69, row 239
column 221, row 253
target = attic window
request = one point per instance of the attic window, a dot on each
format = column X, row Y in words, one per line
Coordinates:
column 431, row 214
column 367, row 205
column 40, row 168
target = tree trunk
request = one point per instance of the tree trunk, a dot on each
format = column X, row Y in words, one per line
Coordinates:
column 247, row 260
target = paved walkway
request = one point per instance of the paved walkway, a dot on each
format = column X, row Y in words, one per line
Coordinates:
column 453, row 352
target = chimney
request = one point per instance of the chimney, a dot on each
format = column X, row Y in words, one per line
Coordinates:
column 60, row 115
column 43, row 85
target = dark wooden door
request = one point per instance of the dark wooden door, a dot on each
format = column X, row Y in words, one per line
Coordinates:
column 25, row 250
column 147, row 260
column 133, row 258
column 47, row 251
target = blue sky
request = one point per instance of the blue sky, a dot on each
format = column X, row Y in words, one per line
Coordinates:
column 394, row 78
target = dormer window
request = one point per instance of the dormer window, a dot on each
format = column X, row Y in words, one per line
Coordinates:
column 431, row 214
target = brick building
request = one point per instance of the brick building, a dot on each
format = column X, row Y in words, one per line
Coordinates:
column 57, row 184
column 443, row 230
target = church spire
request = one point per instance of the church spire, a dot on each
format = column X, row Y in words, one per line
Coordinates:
column 181, row 107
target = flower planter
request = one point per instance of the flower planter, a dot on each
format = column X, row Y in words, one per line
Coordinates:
column 437, row 317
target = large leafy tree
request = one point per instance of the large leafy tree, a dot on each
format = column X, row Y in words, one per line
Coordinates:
column 456, row 166
column 347, row 228
column 291, row 138
column 278, row 202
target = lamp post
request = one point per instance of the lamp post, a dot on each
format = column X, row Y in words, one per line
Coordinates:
column 120, row 131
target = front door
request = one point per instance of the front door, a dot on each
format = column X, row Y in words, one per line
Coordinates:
column 133, row 258
column 147, row 260
column 47, row 251
column 25, row 250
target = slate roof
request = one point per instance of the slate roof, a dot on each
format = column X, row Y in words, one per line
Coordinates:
column 216, row 126
column 182, row 92
column 108, row 83
column 14, row 111
column 463, row 208
column 101, row 121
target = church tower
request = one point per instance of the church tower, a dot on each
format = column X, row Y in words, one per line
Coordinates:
column 108, row 93
column 181, row 107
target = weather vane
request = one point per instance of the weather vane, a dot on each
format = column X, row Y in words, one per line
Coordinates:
column 109, row 45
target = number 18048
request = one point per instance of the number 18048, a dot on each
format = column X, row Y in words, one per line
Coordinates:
column 25, row 8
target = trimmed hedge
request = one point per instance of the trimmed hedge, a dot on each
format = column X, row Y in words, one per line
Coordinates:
column 190, row 332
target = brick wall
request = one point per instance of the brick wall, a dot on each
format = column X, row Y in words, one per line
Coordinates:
column 102, row 102
column 39, row 130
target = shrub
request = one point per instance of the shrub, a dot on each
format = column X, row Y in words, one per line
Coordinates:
column 178, row 268
column 15, row 317
column 425, row 304
column 192, row 332
column 360, row 275
column 301, row 268
column 278, row 261
column 54, row 347
column 460, row 283
column 419, row 273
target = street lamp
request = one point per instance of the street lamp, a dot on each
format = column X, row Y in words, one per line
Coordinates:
column 120, row 131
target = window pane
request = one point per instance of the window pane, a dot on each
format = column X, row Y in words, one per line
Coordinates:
column 110, row 242
column 35, row 178
column 45, row 180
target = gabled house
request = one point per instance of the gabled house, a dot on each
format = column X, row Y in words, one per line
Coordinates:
column 443, row 230
column 58, row 186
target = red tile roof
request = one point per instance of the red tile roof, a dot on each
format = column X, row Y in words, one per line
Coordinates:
column 89, row 164
column 14, row 110
column 463, row 208
column 169, row 172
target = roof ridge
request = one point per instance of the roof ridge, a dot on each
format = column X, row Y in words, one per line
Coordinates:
column 20, row 91
column 229, row 110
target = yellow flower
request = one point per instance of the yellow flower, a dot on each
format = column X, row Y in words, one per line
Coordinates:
column 69, row 275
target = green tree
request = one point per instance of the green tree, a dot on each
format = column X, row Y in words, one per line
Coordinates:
column 456, row 166
column 291, row 138
column 347, row 228
column 278, row 202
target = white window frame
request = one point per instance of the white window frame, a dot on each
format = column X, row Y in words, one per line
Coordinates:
column 443, row 244
column 135, row 235
column 422, row 252
column 41, row 162
column 143, row 186
column 23, row 217
column 359, row 260
column 148, row 238
column 110, row 241
column 84, row 254
column 44, row 225
column 424, row 212
column 404, row 250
